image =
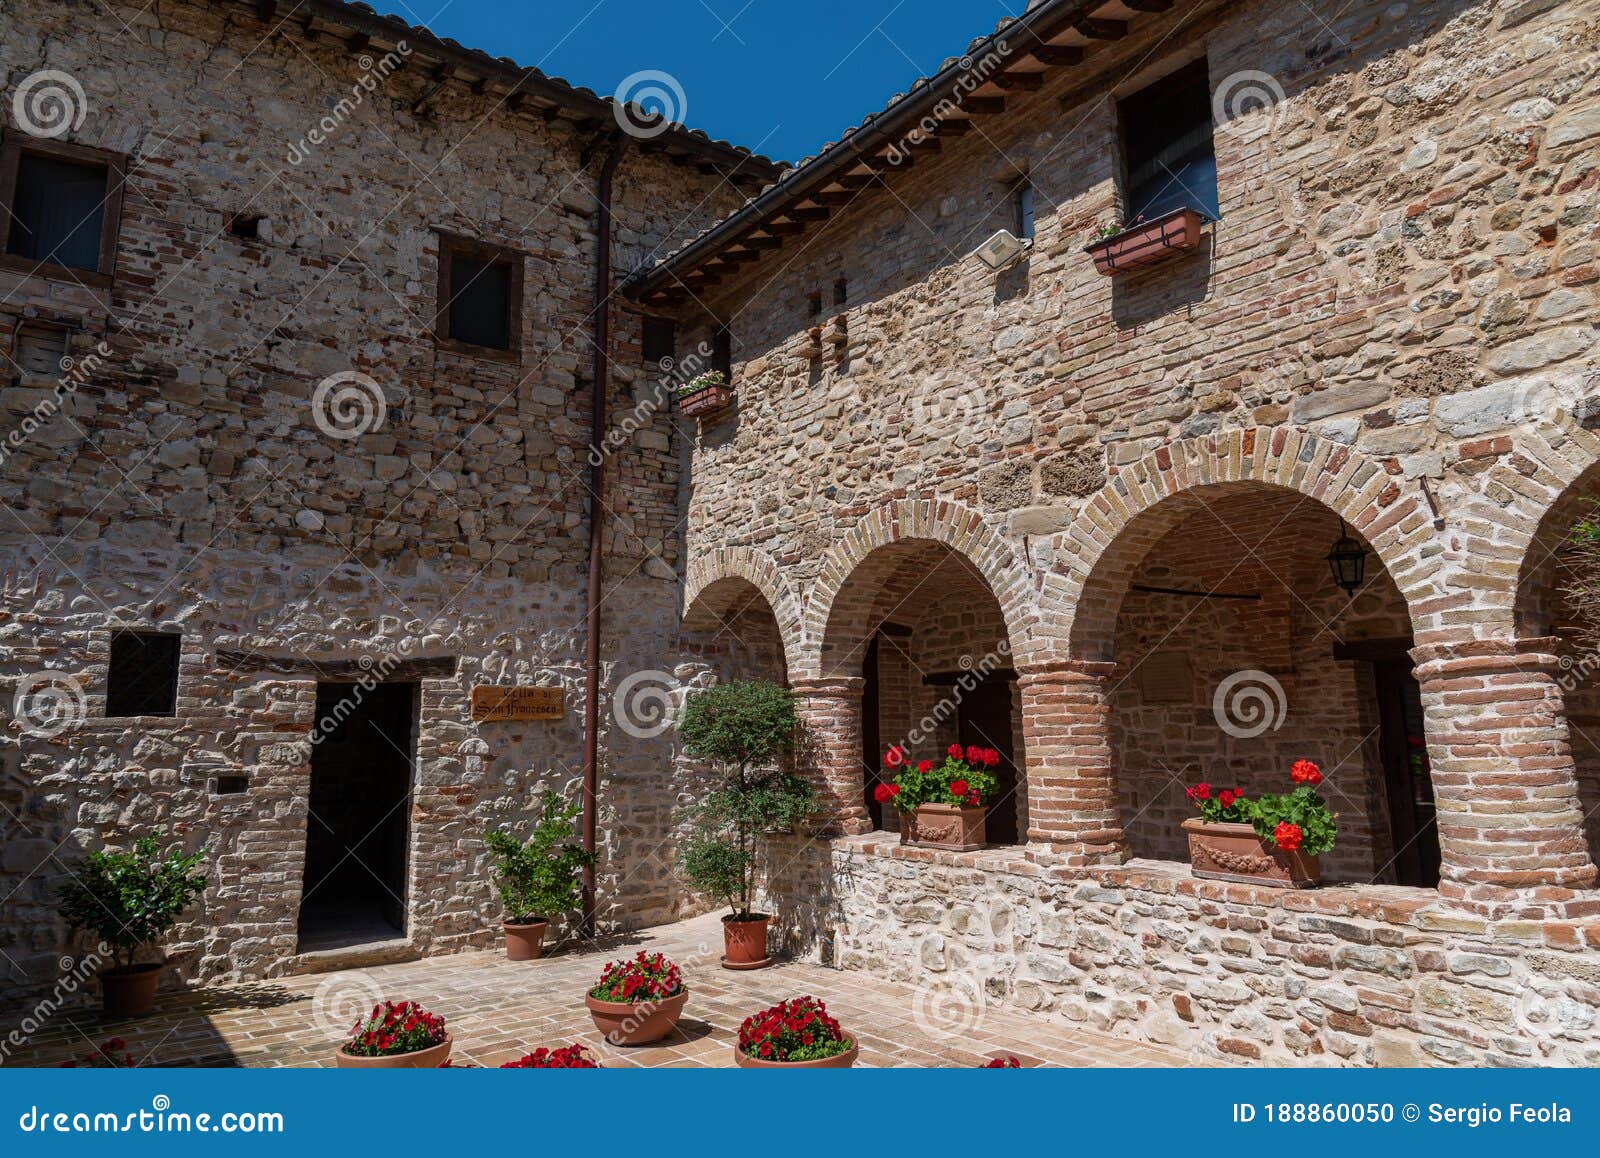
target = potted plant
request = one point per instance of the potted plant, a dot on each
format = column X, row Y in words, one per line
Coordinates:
column 943, row 806
column 396, row 1035
column 705, row 394
column 130, row 900
column 1117, row 246
column 576, row 1056
column 1004, row 1061
column 796, row 1034
column 638, row 1001
column 110, row 1055
column 539, row 879
column 1274, row 840
column 746, row 728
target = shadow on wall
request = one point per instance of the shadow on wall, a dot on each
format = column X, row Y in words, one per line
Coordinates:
column 1179, row 283
column 803, row 895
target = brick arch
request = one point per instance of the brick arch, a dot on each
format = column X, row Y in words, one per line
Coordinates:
column 883, row 542
column 1116, row 528
column 721, row 581
column 1550, row 497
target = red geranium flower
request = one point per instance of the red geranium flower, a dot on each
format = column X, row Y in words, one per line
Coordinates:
column 882, row 794
column 974, row 799
column 925, row 766
column 991, row 756
column 1201, row 791
column 1226, row 798
column 894, row 757
column 974, row 754
column 1287, row 836
column 894, row 790
column 959, row 787
column 954, row 751
column 1305, row 772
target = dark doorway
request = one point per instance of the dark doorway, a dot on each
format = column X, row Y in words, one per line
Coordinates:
column 984, row 719
column 358, row 822
column 871, row 734
column 1412, row 819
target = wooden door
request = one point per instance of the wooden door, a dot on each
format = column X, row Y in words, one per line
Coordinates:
column 984, row 719
column 1413, row 822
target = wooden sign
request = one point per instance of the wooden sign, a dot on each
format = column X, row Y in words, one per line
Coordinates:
column 491, row 704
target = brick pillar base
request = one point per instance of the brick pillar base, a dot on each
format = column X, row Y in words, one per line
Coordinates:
column 1071, row 763
column 830, row 749
column 1510, row 821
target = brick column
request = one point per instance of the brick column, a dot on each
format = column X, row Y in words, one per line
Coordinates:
column 1510, row 820
column 1071, row 761
column 830, row 748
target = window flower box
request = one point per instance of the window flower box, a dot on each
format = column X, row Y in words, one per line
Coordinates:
column 706, row 395
column 1233, row 852
column 941, row 806
column 1118, row 250
column 1273, row 840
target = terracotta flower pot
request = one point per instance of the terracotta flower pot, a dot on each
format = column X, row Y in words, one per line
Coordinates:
column 636, row 1022
column 704, row 403
column 839, row 1061
column 423, row 1059
column 1147, row 242
column 956, row 827
column 525, row 942
column 129, row 990
column 744, row 942
column 1233, row 852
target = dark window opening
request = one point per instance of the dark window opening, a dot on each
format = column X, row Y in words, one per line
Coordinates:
column 660, row 339
column 722, row 352
column 841, row 292
column 245, row 226
column 814, row 305
column 480, row 297
column 143, row 680
column 1022, row 206
column 1167, row 146
column 230, row 785
column 58, row 212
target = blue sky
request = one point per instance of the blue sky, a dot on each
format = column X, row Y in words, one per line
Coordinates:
column 778, row 76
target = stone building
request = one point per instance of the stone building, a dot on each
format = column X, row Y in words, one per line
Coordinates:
column 260, row 453
column 1089, row 519
column 1083, row 518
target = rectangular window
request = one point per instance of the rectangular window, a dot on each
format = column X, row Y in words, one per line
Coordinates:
column 1167, row 146
column 480, row 298
column 143, row 680
column 722, row 352
column 660, row 339
column 60, row 206
column 1022, row 201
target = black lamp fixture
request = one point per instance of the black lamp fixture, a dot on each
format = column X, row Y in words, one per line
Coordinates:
column 1348, row 558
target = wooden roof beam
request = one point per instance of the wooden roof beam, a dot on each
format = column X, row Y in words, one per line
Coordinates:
column 1097, row 29
column 984, row 106
column 1058, row 55
column 1026, row 81
column 1147, row 5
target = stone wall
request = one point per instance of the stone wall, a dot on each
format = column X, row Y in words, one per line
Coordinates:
column 1338, row 976
column 189, row 487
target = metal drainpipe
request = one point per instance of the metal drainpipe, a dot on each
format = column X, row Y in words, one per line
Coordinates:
column 597, row 478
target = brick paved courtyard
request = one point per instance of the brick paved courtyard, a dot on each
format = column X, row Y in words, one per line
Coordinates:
column 498, row 1010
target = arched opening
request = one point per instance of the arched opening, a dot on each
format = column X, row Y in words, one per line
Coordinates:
column 1558, row 595
column 920, row 626
column 1237, row 652
column 731, row 629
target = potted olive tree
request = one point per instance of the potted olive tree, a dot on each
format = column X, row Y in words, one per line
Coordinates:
column 540, row 878
column 130, row 900
column 745, row 729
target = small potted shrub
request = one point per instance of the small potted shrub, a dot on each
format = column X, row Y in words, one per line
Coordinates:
column 746, row 728
column 796, row 1034
column 568, row 1057
column 396, row 1035
column 941, row 806
column 638, row 1001
column 1118, row 246
column 539, row 879
column 705, row 394
column 1273, row 840
column 130, row 900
